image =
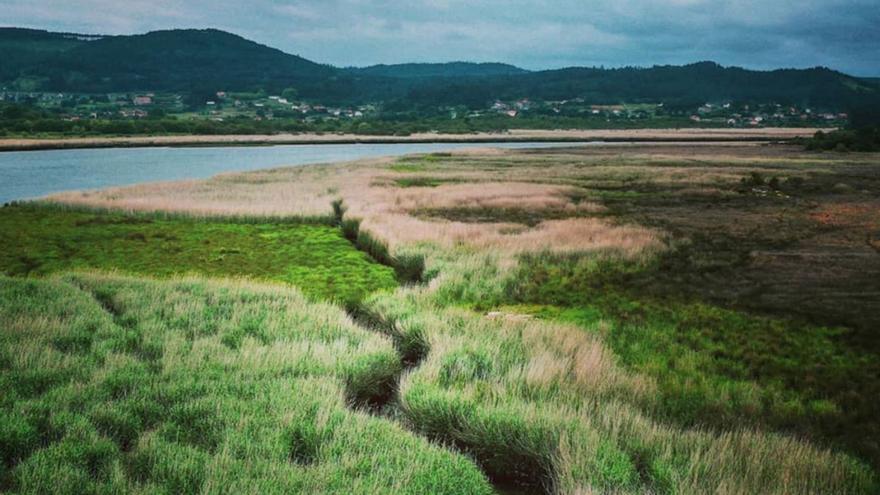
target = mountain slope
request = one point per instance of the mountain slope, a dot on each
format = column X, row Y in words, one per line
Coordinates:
column 21, row 48
column 200, row 62
column 173, row 60
column 690, row 84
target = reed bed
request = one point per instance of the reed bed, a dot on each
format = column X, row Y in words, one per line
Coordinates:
column 387, row 212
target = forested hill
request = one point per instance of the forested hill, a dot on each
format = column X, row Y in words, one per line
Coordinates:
column 21, row 49
column 686, row 85
column 177, row 60
column 206, row 61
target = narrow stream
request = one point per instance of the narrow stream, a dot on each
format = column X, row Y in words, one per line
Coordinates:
column 531, row 479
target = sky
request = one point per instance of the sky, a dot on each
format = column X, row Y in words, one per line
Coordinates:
column 758, row 34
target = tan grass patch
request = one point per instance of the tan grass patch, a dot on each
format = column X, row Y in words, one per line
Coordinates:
column 387, row 211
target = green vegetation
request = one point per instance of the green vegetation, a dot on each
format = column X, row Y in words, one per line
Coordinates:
column 25, row 121
column 202, row 62
column 190, row 59
column 713, row 366
column 40, row 240
column 120, row 385
column 545, row 406
column 866, row 139
column 862, row 133
column 710, row 320
column 409, row 267
column 724, row 347
column 449, row 69
column 634, row 368
column 208, row 82
column 518, row 215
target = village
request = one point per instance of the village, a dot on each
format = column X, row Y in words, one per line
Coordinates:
column 258, row 106
column 718, row 114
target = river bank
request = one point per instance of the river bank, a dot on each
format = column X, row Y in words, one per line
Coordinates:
column 607, row 135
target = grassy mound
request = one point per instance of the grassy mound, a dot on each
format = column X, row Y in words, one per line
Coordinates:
column 122, row 385
column 316, row 258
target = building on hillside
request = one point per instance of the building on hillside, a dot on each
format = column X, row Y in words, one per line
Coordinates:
column 133, row 114
column 143, row 100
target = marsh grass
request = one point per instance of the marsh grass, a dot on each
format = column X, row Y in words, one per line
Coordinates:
column 409, row 267
column 714, row 366
column 548, row 406
column 425, row 181
column 532, row 347
column 388, row 212
column 125, row 385
column 40, row 240
column 515, row 215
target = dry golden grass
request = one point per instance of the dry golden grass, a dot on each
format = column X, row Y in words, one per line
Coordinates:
column 388, row 211
column 532, row 181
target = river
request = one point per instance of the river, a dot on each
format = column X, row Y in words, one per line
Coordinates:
column 32, row 174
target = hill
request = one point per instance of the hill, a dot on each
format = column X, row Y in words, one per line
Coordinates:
column 200, row 62
column 176, row 60
column 679, row 85
column 22, row 48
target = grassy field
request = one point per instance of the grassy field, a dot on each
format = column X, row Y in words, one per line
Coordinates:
column 664, row 319
column 40, row 240
column 122, row 385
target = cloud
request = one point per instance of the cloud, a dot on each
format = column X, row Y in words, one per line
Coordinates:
column 843, row 34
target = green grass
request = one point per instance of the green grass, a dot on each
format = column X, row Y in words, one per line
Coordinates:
column 409, row 267
column 419, row 163
column 546, row 407
column 122, row 385
column 40, row 240
column 425, row 181
column 615, row 381
column 713, row 366
column 525, row 216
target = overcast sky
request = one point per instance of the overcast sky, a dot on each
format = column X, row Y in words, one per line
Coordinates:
column 841, row 34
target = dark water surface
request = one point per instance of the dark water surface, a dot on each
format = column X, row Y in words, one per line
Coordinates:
column 32, row 174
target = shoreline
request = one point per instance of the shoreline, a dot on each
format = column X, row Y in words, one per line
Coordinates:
column 690, row 135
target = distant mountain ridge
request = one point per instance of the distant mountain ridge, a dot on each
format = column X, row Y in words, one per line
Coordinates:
column 208, row 60
column 447, row 69
column 687, row 84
